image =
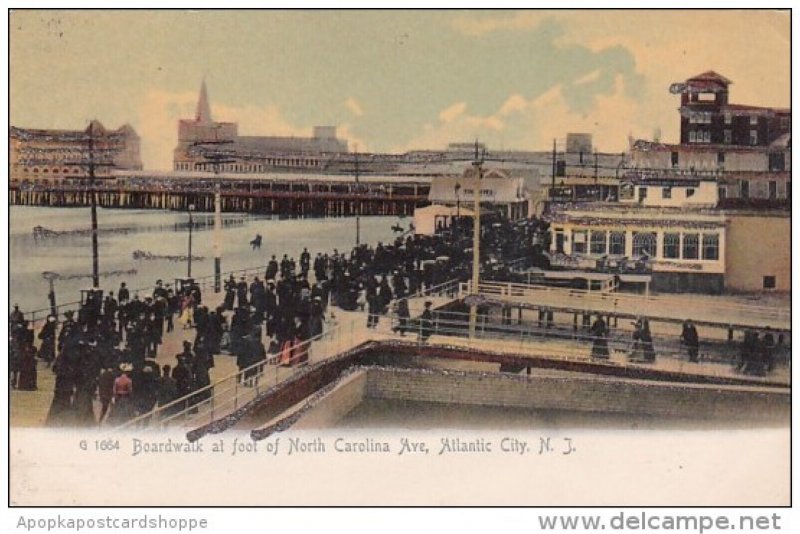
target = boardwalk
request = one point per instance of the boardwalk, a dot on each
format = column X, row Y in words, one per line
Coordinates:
column 346, row 330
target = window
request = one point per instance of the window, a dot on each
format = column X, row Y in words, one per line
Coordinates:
column 773, row 189
column 597, row 245
column 672, row 245
column 777, row 161
column 784, row 122
column 642, row 193
column 674, row 159
column 769, row 282
column 644, row 244
column 579, row 241
column 710, row 247
column 692, row 137
column 728, row 118
column 720, row 158
column 753, row 137
column 754, row 120
column 666, row 192
column 722, row 192
column 706, row 136
column 617, row 244
column 690, row 242
column 728, row 139
column 744, row 188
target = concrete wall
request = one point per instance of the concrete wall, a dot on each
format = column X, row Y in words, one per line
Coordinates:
column 575, row 393
column 337, row 404
column 758, row 246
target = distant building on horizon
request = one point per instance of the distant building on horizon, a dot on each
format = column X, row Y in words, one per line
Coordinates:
column 251, row 154
column 48, row 156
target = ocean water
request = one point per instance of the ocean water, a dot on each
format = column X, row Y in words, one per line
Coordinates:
column 159, row 233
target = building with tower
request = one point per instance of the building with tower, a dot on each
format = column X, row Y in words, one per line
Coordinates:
column 250, row 154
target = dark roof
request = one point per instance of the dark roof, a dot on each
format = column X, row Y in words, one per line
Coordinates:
column 710, row 76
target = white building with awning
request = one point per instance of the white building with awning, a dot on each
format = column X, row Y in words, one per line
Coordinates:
column 499, row 191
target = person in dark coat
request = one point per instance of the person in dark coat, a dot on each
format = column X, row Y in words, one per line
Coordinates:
column 241, row 293
column 182, row 373
column 105, row 391
column 426, row 322
column 167, row 390
column 27, row 364
column 690, row 338
column 47, row 350
column 403, row 314
column 599, row 332
column 647, row 342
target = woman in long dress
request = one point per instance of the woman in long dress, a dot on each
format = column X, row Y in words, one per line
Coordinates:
column 599, row 342
column 123, row 408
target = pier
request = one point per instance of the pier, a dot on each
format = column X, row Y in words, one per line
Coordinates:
column 278, row 194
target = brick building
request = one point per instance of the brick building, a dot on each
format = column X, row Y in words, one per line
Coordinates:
column 746, row 148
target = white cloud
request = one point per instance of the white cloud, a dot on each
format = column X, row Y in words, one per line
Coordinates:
column 531, row 124
column 592, row 76
column 354, row 106
column 451, row 113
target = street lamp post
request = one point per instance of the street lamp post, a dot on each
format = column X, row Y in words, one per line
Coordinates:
column 476, row 243
column 191, row 225
column 457, row 189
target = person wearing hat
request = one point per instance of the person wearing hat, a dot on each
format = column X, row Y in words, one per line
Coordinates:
column 426, row 322
column 47, row 350
column 599, row 332
column 241, row 292
column 182, row 373
column 123, row 294
column 16, row 316
column 403, row 314
column 123, row 409
column 105, row 391
column 690, row 338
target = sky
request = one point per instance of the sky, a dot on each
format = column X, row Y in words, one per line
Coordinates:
column 391, row 81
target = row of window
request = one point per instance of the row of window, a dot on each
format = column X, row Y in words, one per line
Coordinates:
column 240, row 167
column 676, row 245
column 704, row 136
column 45, row 170
column 744, row 190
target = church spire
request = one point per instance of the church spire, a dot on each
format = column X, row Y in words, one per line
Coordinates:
column 203, row 114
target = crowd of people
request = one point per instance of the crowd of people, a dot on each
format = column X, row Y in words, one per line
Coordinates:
column 108, row 351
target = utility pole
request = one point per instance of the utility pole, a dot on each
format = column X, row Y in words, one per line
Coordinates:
column 191, row 226
column 93, row 192
column 216, row 160
column 476, row 242
column 358, row 214
column 553, row 179
column 595, row 166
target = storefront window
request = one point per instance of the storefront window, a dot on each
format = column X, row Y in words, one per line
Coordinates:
column 690, row 244
column 617, row 244
column 644, row 244
column 598, row 242
column 672, row 246
column 710, row 247
column 579, row 241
